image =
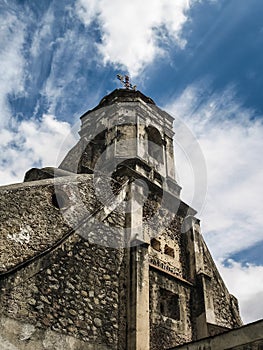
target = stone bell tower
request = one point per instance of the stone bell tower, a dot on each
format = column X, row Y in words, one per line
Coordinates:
column 126, row 128
column 102, row 253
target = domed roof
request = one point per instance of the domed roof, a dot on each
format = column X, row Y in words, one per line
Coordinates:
column 122, row 95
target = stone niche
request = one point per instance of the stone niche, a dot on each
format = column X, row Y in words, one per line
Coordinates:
column 169, row 310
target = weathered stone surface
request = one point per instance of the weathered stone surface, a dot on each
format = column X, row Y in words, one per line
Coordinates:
column 42, row 224
column 246, row 337
column 97, row 322
column 16, row 335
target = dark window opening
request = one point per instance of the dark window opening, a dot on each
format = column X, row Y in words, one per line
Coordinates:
column 155, row 143
column 169, row 304
column 169, row 251
column 156, row 244
column 60, row 199
column 93, row 153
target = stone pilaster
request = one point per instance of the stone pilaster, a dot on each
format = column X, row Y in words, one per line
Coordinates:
column 138, row 318
column 203, row 298
column 138, row 307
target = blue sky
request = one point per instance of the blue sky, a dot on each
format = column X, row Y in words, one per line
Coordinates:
column 201, row 60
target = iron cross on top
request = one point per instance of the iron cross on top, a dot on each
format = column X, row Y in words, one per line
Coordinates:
column 125, row 80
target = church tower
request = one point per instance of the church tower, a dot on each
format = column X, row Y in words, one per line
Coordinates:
column 110, row 257
column 126, row 128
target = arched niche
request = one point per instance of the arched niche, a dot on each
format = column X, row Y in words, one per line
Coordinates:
column 92, row 152
column 155, row 143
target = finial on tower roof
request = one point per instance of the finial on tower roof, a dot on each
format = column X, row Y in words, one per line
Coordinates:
column 125, row 80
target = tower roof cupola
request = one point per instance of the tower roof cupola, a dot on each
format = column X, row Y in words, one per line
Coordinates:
column 122, row 95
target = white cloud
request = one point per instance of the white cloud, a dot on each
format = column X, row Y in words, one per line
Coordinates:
column 43, row 32
column 71, row 47
column 133, row 32
column 87, row 10
column 246, row 283
column 60, row 59
column 231, row 139
column 12, row 61
column 40, row 143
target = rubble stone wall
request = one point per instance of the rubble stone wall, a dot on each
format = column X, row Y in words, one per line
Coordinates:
column 79, row 292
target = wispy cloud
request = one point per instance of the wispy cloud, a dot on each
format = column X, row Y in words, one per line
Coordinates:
column 61, row 56
column 12, row 62
column 24, row 143
column 231, row 137
column 134, row 34
column 44, row 34
column 73, row 53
